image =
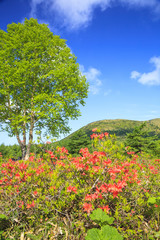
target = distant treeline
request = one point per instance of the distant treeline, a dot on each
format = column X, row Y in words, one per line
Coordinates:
column 139, row 139
column 78, row 140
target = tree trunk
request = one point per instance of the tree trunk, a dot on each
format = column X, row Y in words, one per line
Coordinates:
column 30, row 138
column 22, row 145
column 23, row 149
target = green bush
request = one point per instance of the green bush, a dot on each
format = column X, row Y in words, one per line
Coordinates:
column 53, row 197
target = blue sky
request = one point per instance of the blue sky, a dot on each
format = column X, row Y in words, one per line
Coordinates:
column 117, row 44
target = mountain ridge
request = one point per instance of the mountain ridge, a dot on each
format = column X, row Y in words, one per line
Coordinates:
column 119, row 127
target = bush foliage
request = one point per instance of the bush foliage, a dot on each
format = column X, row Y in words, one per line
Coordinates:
column 53, row 197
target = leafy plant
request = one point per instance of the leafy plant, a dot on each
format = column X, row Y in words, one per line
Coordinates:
column 106, row 232
column 52, row 196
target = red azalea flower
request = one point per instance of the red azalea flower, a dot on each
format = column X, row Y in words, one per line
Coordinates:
column 94, row 129
column 87, row 207
column 32, row 204
column 71, row 189
column 106, row 208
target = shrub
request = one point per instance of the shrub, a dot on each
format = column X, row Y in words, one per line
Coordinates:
column 53, row 197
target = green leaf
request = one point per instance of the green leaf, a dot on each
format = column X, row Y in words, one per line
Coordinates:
column 2, row 216
column 93, row 234
column 101, row 217
column 110, row 233
column 152, row 200
column 106, row 233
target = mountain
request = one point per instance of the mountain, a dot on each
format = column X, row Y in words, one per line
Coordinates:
column 120, row 127
column 78, row 139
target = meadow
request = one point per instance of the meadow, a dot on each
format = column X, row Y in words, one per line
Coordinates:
column 109, row 193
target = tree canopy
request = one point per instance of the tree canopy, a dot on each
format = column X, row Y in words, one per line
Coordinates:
column 142, row 140
column 78, row 140
column 41, row 86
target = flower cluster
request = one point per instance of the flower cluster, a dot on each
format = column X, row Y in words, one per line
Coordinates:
column 120, row 184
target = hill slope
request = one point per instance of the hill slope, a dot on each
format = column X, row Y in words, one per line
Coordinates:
column 120, row 127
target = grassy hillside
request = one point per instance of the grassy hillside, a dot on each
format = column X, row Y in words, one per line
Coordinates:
column 120, row 127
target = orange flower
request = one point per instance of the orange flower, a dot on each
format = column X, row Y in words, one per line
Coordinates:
column 94, row 129
column 105, row 208
column 156, row 205
column 87, row 207
column 72, row 189
column 30, row 205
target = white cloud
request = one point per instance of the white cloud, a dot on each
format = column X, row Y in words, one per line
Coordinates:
column 135, row 74
column 34, row 4
column 150, row 78
column 78, row 13
column 74, row 14
column 92, row 76
column 107, row 92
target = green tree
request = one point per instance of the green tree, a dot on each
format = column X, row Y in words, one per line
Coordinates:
column 142, row 140
column 78, row 140
column 41, row 86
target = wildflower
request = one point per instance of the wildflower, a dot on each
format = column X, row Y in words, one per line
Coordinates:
column 103, row 188
column 87, row 207
column 94, row 129
column 52, row 187
column 72, row 189
column 106, row 134
column 94, row 135
column 101, row 135
column 20, row 204
column 95, row 168
column 88, row 197
column 30, row 205
column 105, row 208
column 129, row 153
column 60, row 163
